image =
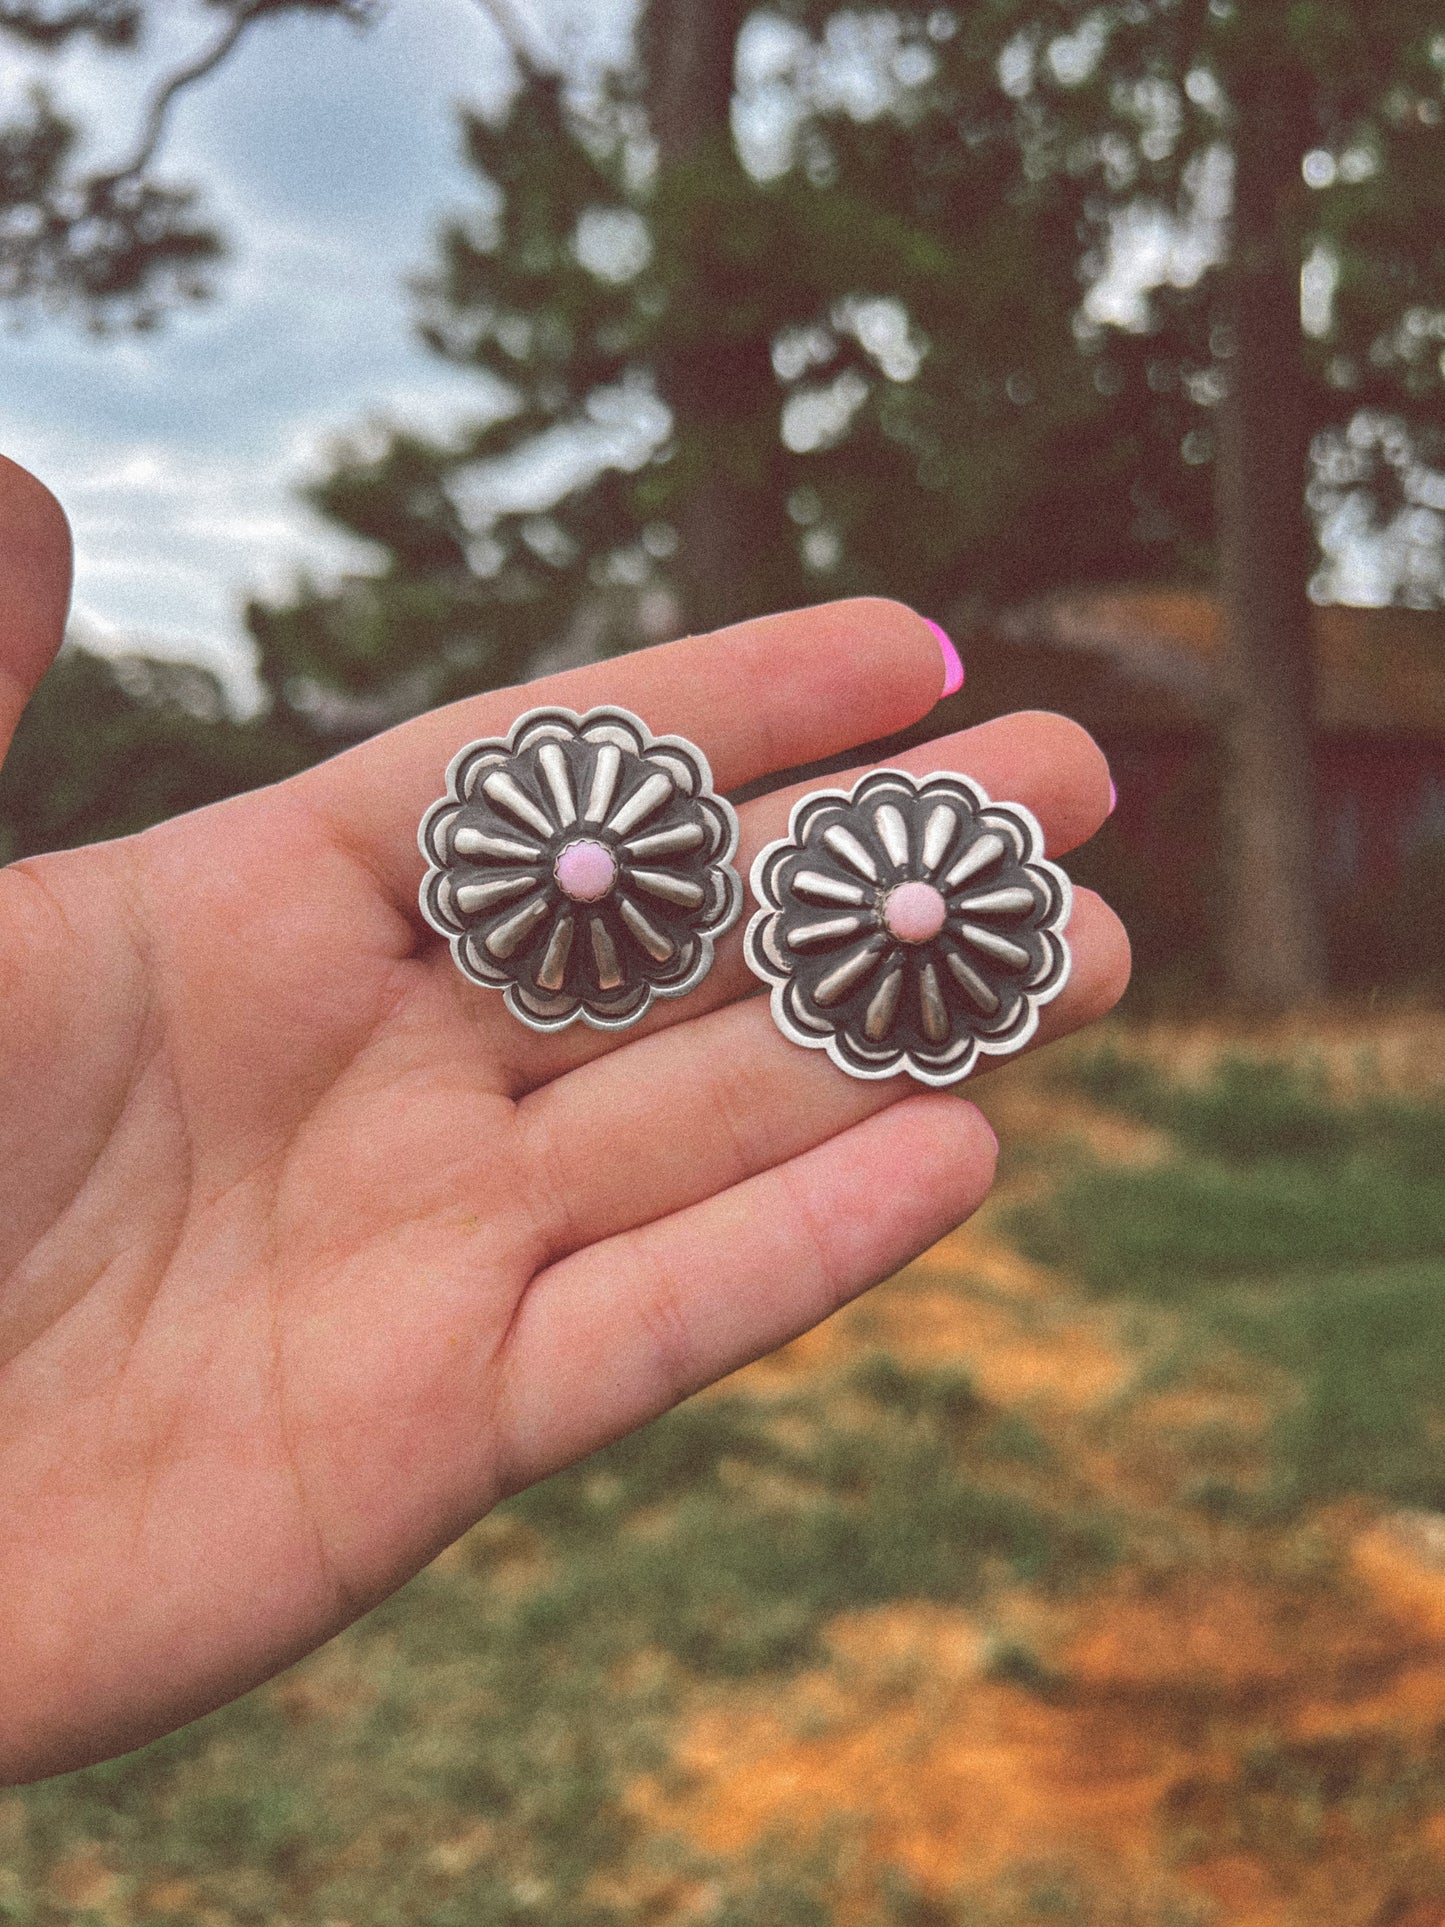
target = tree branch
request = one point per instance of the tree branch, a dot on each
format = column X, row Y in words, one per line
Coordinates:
column 159, row 110
column 508, row 23
column 114, row 23
column 107, row 239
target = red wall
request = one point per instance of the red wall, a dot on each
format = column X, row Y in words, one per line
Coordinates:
column 1380, row 800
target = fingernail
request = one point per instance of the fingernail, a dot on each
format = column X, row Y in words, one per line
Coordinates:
column 1113, row 797
column 952, row 661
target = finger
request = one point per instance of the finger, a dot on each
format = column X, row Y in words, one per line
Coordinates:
column 1045, row 762
column 757, row 697
column 708, row 1104
column 611, row 1337
column 34, row 588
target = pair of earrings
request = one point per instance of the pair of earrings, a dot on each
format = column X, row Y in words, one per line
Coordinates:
column 583, row 867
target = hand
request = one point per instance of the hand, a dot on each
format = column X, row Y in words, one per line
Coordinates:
column 311, row 1253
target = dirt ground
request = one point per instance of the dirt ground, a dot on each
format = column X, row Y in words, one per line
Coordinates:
column 1145, row 1682
column 1235, row 1727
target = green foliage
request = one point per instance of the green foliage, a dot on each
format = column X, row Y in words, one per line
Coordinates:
column 917, row 277
column 1368, row 1350
column 1165, row 1232
column 460, row 1756
column 119, row 246
column 1255, row 1109
column 921, row 264
column 860, row 1516
column 1303, row 1231
column 783, row 1893
column 642, row 338
column 470, row 1752
column 106, row 748
column 1044, row 1896
column 1286, row 1797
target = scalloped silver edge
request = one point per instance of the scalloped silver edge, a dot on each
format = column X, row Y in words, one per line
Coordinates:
column 587, row 718
column 1056, row 925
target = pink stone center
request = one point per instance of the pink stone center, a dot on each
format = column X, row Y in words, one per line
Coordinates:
column 585, row 870
column 914, row 912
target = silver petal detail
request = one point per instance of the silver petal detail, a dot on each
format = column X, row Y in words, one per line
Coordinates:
column 514, row 803
column 553, row 972
column 604, row 955
column 669, row 888
column 1011, row 955
column 848, row 974
column 605, row 772
column 970, row 989
column 833, row 931
column 503, row 849
column 978, row 856
column 658, row 945
column 644, row 800
column 673, row 842
column 844, row 844
column 1012, row 901
column 938, row 833
column 511, row 934
column 883, row 1007
column 977, row 988
column 553, row 765
column 470, row 898
column 817, row 888
column 892, row 833
column 507, row 793
column 932, row 1009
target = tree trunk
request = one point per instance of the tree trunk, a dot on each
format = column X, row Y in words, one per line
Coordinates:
column 1274, row 952
column 688, row 49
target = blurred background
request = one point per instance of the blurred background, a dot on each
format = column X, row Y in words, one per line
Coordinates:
column 1094, row 1569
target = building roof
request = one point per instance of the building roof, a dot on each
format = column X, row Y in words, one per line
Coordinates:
column 1379, row 671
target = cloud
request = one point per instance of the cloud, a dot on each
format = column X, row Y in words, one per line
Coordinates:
column 328, row 158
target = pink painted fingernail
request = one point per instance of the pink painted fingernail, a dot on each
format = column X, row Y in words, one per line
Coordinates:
column 952, row 661
column 1113, row 797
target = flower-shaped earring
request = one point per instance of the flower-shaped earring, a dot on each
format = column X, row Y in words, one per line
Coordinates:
column 582, row 866
column 910, row 926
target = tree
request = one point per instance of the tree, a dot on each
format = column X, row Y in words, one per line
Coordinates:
column 1014, row 443
column 687, row 50
column 1327, row 115
column 116, row 245
column 107, row 747
column 853, row 376
column 713, row 388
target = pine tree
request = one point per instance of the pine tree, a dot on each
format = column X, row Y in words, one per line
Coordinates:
column 1323, row 119
column 115, row 246
column 704, row 393
column 857, row 376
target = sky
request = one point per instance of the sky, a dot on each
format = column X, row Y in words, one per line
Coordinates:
column 327, row 156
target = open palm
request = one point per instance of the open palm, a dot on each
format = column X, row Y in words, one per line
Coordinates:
column 309, row 1252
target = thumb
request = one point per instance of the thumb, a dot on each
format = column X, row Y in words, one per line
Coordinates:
column 34, row 588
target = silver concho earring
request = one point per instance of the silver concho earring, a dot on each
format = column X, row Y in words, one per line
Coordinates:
column 582, row 866
column 912, row 925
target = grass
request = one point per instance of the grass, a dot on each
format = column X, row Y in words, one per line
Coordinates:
column 464, row 1757
column 1285, row 1800
column 1253, row 1110
column 1170, row 1231
column 1306, row 1231
column 458, row 1759
column 758, row 1542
